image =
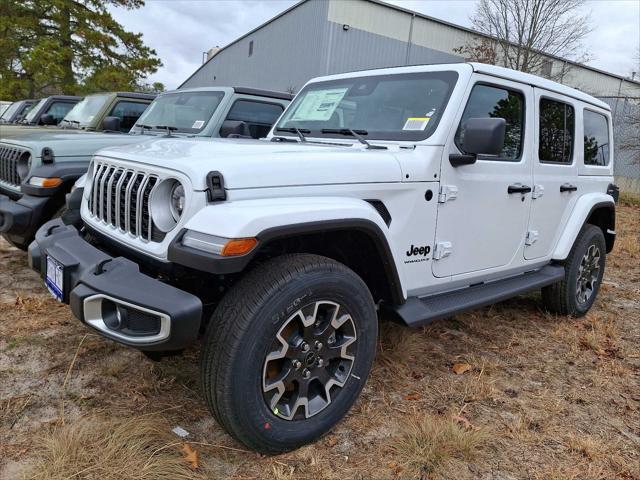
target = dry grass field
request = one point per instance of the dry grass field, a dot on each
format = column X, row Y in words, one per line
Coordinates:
column 535, row 396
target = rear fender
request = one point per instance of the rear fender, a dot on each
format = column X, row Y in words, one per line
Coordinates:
column 585, row 206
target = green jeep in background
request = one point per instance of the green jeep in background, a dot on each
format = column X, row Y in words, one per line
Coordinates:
column 38, row 167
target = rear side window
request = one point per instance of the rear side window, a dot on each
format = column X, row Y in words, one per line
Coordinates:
column 59, row 110
column 596, row 139
column 557, row 132
column 259, row 116
column 495, row 102
column 129, row 113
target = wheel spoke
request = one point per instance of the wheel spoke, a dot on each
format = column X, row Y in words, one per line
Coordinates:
column 309, row 360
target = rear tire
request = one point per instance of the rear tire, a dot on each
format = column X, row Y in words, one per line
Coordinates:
column 584, row 269
column 297, row 328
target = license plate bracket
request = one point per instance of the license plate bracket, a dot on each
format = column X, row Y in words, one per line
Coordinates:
column 54, row 279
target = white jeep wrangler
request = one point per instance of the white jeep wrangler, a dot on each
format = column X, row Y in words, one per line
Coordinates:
column 424, row 191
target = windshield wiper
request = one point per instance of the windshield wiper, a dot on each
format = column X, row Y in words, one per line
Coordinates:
column 168, row 128
column 143, row 128
column 283, row 139
column 354, row 133
column 298, row 131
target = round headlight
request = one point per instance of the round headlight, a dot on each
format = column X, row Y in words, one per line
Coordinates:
column 177, row 201
column 24, row 165
column 167, row 204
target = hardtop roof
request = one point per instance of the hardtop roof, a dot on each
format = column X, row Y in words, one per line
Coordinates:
column 492, row 70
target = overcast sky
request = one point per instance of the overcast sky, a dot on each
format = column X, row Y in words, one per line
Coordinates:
column 180, row 30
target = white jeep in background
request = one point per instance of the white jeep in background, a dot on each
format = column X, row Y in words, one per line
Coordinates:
column 424, row 191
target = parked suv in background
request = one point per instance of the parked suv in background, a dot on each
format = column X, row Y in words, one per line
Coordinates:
column 15, row 112
column 424, row 191
column 38, row 169
column 50, row 110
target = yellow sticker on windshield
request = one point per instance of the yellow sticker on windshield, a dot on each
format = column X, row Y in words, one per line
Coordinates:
column 416, row 123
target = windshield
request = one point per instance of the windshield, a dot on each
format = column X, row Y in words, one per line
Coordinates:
column 32, row 113
column 383, row 107
column 187, row 112
column 13, row 108
column 83, row 112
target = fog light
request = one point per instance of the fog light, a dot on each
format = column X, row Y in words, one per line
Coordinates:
column 114, row 316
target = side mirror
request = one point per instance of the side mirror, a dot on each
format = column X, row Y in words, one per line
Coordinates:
column 482, row 136
column 234, row 129
column 48, row 119
column 111, row 124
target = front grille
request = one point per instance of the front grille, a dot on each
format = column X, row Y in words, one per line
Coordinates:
column 120, row 197
column 9, row 157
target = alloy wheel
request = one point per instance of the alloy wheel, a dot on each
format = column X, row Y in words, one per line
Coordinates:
column 588, row 274
column 309, row 361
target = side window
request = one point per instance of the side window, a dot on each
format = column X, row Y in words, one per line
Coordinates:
column 128, row 112
column 59, row 109
column 259, row 116
column 596, row 139
column 496, row 102
column 557, row 131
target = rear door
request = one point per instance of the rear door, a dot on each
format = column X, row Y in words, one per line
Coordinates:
column 555, row 172
column 481, row 225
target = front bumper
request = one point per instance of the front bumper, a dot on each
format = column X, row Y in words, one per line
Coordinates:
column 21, row 218
column 110, row 294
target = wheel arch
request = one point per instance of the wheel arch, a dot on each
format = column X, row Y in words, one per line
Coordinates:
column 594, row 209
column 357, row 243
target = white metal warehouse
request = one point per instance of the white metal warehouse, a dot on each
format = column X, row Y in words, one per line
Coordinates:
column 320, row 37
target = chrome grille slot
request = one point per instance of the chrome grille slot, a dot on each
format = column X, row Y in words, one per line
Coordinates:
column 120, row 198
column 9, row 157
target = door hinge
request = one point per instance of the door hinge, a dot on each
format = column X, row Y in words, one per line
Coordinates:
column 538, row 191
column 532, row 237
column 443, row 249
column 447, row 192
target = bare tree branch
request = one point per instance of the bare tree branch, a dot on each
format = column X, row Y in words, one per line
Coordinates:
column 522, row 34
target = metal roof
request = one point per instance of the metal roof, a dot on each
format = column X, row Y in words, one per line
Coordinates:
column 410, row 12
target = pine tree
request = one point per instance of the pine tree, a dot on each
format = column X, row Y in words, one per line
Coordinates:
column 70, row 47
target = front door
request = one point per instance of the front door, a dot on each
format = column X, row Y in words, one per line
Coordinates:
column 555, row 172
column 484, row 207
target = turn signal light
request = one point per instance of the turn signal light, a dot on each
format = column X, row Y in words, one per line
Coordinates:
column 45, row 182
column 238, row 246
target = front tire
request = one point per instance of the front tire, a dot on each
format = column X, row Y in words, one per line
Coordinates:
column 584, row 269
column 288, row 351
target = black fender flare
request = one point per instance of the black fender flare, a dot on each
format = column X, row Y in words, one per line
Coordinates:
column 216, row 264
column 68, row 172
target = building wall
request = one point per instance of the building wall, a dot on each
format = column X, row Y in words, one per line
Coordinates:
column 286, row 54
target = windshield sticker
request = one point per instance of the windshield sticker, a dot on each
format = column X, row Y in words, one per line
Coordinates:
column 198, row 124
column 416, row 123
column 319, row 105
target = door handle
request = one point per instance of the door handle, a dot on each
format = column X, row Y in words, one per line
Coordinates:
column 567, row 187
column 518, row 188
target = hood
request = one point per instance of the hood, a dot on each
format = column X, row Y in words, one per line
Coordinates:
column 260, row 163
column 67, row 143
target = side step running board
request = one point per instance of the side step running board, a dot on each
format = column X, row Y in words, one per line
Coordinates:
column 418, row 311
